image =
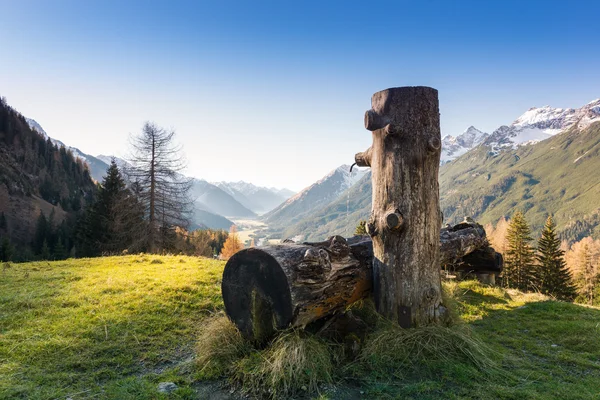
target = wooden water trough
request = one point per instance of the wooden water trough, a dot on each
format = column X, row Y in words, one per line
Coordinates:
column 271, row 288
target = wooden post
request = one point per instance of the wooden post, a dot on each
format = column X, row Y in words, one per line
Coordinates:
column 406, row 219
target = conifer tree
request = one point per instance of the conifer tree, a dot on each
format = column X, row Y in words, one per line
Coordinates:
column 519, row 258
column 7, row 250
column 60, row 253
column 45, row 252
column 589, row 275
column 41, row 233
column 114, row 222
column 156, row 167
column 232, row 245
column 553, row 277
column 2, row 221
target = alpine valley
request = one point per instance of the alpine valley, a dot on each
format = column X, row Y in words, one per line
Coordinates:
column 536, row 164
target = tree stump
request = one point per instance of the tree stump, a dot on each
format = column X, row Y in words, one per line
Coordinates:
column 406, row 219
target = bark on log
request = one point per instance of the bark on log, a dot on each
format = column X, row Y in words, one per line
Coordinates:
column 405, row 218
column 273, row 287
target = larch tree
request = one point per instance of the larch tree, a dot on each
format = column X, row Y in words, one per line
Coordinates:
column 232, row 245
column 156, row 166
column 519, row 256
column 361, row 229
column 553, row 277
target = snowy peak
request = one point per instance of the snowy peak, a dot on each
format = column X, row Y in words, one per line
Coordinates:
column 455, row 146
column 538, row 124
column 471, row 137
column 256, row 198
column 33, row 124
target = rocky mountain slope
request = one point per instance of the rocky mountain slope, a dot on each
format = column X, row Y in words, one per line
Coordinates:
column 319, row 194
column 454, row 147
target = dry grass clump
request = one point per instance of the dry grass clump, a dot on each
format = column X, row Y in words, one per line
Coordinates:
column 219, row 346
column 391, row 349
column 293, row 362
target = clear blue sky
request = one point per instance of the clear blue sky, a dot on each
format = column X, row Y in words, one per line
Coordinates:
column 274, row 92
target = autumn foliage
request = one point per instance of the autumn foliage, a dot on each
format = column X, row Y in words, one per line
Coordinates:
column 232, row 245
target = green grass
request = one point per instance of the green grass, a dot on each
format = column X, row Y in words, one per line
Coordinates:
column 86, row 327
column 113, row 328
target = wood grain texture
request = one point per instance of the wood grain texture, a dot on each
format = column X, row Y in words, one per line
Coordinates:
column 270, row 288
column 404, row 160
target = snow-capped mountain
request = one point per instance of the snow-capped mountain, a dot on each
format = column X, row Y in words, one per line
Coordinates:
column 258, row 199
column 316, row 195
column 121, row 163
column 33, row 124
column 538, row 124
column 455, row 146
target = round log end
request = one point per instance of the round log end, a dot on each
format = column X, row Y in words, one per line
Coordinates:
column 256, row 294
column 374, row 121
column 394, row 220
column 434, row 144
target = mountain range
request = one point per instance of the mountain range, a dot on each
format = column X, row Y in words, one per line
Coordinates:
column 541, row 163
column 319, row 194
column 545, row 162
column 213, row 203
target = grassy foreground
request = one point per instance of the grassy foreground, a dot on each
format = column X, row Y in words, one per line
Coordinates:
column 115, row 327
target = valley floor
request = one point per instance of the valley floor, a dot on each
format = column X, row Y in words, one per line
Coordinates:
column 115, row 327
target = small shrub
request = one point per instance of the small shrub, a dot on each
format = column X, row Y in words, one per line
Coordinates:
column 393, row 350
column 157, row 261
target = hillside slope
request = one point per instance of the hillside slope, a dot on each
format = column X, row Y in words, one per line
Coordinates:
column 96, row 165
column 339, row 217
column 36, row 176
column 558, row 175
column 319, row 194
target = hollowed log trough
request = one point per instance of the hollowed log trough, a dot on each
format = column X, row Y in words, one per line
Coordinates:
column 270, row 288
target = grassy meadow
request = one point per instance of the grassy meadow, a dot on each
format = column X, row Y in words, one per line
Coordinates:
column 115, row 327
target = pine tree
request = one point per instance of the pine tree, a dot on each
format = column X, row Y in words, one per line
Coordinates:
column 45, row 252
column 41, row 233
column 361, row 228
column 232, row 245
column 115, row 220
column 553, row 277
column 2, row 221
column 519, row 257
column 589, row 275
column 7, row 250
column 60, row 253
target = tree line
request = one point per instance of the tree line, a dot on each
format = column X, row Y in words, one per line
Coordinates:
column 553, row 267
column 143, row 207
